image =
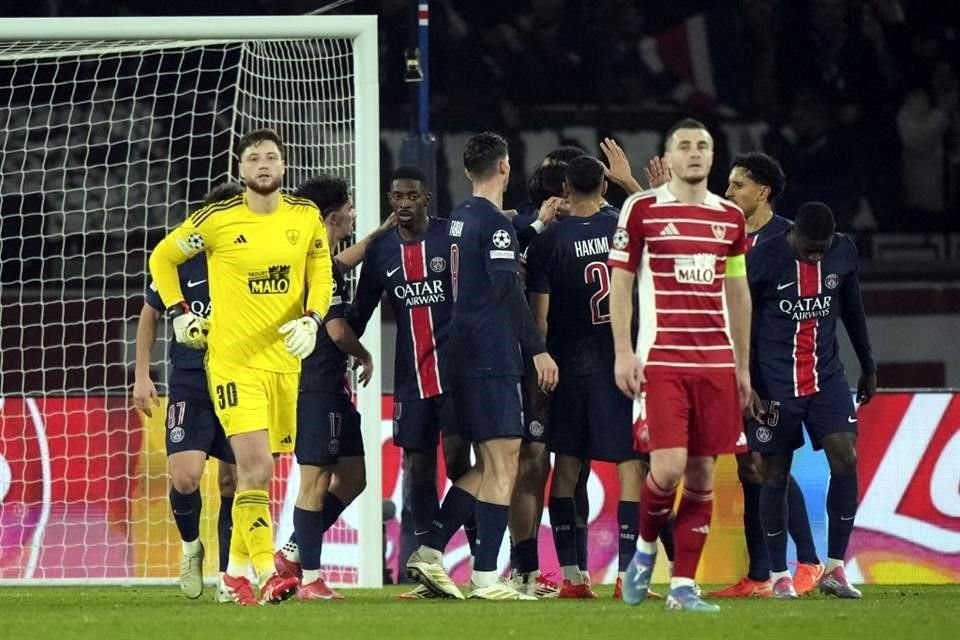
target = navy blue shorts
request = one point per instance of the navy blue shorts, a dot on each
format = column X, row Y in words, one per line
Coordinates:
column 782, row 421
column 489, row 408
column 192, row 424
column 328, row 428
column 592, row 419
column 417, row 424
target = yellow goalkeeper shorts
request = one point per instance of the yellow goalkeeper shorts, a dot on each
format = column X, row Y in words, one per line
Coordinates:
column 248, row 400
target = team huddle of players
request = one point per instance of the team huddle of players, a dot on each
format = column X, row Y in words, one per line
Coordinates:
column 648, row 337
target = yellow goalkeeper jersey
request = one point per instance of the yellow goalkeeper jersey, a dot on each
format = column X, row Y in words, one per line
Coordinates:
column 260, row 266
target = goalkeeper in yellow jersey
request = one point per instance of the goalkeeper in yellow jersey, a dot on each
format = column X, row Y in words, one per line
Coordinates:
column 266, row 253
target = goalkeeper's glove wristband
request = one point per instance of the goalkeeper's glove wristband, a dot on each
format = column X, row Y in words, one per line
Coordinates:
column 301, row 334
column 190, row 329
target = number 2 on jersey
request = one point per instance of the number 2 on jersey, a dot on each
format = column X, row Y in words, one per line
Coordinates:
column 597, row 272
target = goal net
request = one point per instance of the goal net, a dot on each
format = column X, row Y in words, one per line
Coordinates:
column 112, row 132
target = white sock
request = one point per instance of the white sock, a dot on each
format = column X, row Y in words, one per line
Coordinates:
column 237, row 569
column 832, row 563
column 646, row 547
column 676, row 583
column 483, row 578
column 310, row 575
column 291, row 551
column 572, row 573
column 190, row 548
column 776, row 575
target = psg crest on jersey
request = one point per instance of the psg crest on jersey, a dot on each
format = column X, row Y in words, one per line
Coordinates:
column 621, row 239
column 438, row 264
column 831, row 281
column 719, row 231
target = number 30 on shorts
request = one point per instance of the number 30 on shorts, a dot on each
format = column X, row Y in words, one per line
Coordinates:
column 226, row 395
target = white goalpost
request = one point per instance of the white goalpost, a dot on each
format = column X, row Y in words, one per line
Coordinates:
column 111, row 132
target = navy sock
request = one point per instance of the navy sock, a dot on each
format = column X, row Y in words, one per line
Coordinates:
column 841, row 509
column 773, row 515
column 666, row 536
column 225, row 530
column 425, row 507
column 491, row 525
column 582, row 557
column 628, row 522
column 332, row 508
column 457, row 507
column 526, row 556
column 798, row 524
column 563, row 522
column 470, row 530
column 309, row 528
column 186, row 512
column 753, row 533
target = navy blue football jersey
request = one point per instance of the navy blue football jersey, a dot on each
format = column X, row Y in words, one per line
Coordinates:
column 484, row 340
column 795, row 307
column 326, row 368
column 774, row 227
column 193, row 283
column 415, row 275
column 569, row 262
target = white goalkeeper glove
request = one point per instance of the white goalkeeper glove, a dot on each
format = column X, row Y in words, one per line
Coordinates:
column 301, row 335
column 190, row 329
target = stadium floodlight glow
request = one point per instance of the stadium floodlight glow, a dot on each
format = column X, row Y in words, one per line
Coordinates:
column 113, row 130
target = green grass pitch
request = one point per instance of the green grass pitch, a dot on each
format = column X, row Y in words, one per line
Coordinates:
column 141, row 613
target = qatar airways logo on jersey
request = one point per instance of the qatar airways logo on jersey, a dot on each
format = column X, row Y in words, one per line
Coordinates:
column 418, row 294
column 807, row 308
column 700, row 268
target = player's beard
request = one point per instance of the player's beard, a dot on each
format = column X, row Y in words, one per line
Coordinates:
column 263, row 189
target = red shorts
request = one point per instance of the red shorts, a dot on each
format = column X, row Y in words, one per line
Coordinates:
column 699, row 412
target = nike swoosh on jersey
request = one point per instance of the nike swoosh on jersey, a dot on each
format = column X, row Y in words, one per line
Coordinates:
column 192, row 284
column 851, row 420
column 781, row 287
column 390, row 272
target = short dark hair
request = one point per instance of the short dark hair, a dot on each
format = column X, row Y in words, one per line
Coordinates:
column 564, row 154
column 763, row 169
column 685, row 123
column 410, row 172
column 222, row 191
column 482, row 153
column 546, row 181
column 328, row 192
column 815, row 221
column 584, row 174
column 257, row 136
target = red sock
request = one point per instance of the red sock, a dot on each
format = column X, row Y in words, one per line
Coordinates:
column 656, row 505
column 690, row 531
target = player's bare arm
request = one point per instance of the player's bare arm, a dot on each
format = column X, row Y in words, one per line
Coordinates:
column 540, row 308
column 618, row 170
column 737, row 293
column 550, row 209
column 628, row 369
column 353, row 255
column 144, row 390
column 346, row 340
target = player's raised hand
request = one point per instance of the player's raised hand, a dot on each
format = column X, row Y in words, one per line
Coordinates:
column 145, row 395
column 866, row 387
column 547, row 372
column 550, row 209
column 388, row 224
column 628, row 372
column 301, row 336
column 656, row 172
column 365, row 364
column 619, row 166
column 189, row 329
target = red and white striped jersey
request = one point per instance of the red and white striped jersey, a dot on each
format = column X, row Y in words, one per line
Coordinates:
column 680, row 252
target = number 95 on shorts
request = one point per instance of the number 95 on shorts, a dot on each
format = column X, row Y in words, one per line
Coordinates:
column 248, row 400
